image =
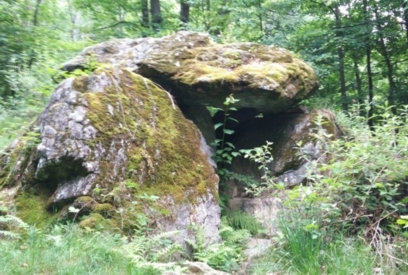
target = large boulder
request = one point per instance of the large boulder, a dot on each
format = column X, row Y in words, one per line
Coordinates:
column 199, row 72
column 107, row 148
column 115, row 143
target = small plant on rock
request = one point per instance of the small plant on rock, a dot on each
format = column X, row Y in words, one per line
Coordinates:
column 225, row 152
column 228, row 254
column 263, row 157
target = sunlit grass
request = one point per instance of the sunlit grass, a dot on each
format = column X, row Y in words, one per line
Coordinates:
column 299, row 250
column 67, row 251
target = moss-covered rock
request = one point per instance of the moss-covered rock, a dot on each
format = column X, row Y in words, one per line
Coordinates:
column 265, row 78
column 199, row 72
column 113, row 145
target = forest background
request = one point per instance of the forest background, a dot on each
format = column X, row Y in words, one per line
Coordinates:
column 357, row 47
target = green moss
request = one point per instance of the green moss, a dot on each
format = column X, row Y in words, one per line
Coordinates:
column 31, row 207
column 201, row 72
column 96, row 221
column 80, row 83
column 232, row 54
column 164, row 148
column 14, row 165
column 261, row 66
column 105, row 209
column 84, row 200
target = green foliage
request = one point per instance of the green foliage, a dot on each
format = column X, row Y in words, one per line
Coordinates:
column 225, row 256
column 263, row 156
column 11, row 226
column 362, row 181
column 302, row 242
column 68, row 250
column 303, row 246
column 155, row 252
column 403, row 220
column 225, row 150
column 90, row 65
column 357, row 186
column 242, row 220
column 341, row 256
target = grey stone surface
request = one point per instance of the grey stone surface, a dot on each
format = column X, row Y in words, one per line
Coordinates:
column 199, row 268
column 102, row 131
column 257, row 247
column 265, row 209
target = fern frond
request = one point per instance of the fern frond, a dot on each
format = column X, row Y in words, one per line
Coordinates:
column 242, row 220
column 167, row 252
column 151, row 248
column 13, row 221
column 9, row 235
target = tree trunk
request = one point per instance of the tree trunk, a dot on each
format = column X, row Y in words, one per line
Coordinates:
column 156, row 14
column 387, row 59
column 405, row 17
column 36, row 11
column 260, row 17
column 369, row 72
column 145, row 13
column 340, row 54
column 35, row 23
column 205, row 9
column 360, row 98
column 184, row 11
column 73, row 16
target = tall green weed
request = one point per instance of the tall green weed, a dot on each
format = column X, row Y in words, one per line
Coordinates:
column 363, row 179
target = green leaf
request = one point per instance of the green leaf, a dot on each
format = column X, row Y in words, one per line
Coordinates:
column 216, row 126
column 229, row 144
column 402, row 222
column 228, row 131
column 233, row 119
column 217, row 141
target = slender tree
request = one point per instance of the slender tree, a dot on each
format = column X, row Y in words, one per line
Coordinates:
column 340, row 54
column 184, row 11
column 145, row 13
column 156, row 14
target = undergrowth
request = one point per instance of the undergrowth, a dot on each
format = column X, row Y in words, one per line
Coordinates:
column 302, row 246
column 242, row 220
column 226, row 255
column 67, row 250
column 350, row 216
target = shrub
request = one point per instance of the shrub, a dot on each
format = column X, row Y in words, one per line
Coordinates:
column 363, row 182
